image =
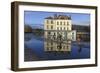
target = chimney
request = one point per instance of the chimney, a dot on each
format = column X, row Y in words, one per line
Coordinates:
column 55, row 16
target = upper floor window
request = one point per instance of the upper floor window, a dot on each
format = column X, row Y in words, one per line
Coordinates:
column 67, row 23
column 47, row 21
column 64, row 23
column 60, row 23
column 51, row 21
column 57, row 23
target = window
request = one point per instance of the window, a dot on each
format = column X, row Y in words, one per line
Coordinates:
column 51, row 21
column 72, row 35
column 63, row 47
column 64, row 23
column 47, row 21
column 51, row 27
column 67, row 28
column 60, row 23
column 51, row 43
column 60, row 28
column 67, row 47
column 51, row 48
column 64, row 28
column 47, row 27
column 47, row 44
column 54, row 34
column 49, row 32
column 57, row 23
column 57, row 28
column 67, row 23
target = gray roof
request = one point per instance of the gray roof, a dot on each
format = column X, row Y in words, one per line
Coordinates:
column 59, row 17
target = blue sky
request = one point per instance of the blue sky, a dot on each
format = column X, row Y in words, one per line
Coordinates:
column 37, row 17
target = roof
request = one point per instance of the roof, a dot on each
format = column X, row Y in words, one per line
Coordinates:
column 59, row 17
column 49, row 17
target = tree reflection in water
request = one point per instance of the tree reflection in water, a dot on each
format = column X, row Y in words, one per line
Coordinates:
column 28, row 36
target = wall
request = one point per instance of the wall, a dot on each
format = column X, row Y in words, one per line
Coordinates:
column 5, row 34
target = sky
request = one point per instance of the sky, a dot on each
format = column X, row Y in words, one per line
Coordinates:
column 37, row 17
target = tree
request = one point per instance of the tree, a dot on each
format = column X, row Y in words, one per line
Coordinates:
column 27, row 28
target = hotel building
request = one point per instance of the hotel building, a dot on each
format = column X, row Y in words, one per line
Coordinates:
column 57, row 32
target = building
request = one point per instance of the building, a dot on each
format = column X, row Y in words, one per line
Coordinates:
column 57, row 26
column 58, row 33
column 83, row 32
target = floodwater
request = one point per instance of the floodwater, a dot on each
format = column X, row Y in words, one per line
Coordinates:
column 34, row 50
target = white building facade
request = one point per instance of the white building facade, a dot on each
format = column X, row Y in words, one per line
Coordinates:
column 58, row 29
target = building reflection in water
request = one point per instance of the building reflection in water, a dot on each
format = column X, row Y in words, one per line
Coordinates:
column 57, row 46
column 58, row 41
column 58, row 33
